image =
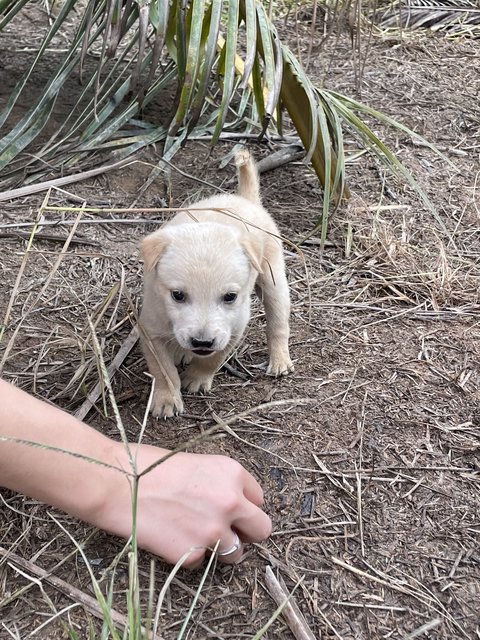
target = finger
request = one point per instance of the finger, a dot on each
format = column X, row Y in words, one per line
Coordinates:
column 192, row 559
column 196, row 560
column 231, row 553
column 252, row 524
column 252, row 490
column 232, row 558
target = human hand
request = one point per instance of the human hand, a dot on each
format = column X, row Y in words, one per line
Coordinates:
column 189, row 502
column 186, row 503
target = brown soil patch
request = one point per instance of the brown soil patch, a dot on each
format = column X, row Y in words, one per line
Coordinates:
column 373, row 483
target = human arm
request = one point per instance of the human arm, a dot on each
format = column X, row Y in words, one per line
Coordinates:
column 189, row 500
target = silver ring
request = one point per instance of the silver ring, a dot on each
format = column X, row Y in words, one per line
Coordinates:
column 235, row 547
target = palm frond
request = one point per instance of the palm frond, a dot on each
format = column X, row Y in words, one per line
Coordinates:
column 232, row 73
column 455, row 17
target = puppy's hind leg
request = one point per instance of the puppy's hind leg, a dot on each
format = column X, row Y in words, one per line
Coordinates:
column 276, row 300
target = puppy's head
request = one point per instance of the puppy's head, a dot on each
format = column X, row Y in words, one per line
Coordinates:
column 199, row 278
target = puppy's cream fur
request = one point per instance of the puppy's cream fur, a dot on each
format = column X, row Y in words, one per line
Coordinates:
column 200, row 270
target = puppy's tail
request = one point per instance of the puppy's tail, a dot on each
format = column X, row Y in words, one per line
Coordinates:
column 248, row 183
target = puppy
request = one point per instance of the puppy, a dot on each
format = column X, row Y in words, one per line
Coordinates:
column 201, row 268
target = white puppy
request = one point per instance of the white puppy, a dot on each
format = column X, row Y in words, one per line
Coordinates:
column 200, row 270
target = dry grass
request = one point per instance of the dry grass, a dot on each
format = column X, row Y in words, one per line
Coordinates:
column 344, row 490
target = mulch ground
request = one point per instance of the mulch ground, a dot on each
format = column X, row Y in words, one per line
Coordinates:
column 368, row 453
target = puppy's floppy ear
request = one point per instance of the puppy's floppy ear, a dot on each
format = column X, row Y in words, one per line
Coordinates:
column 152, row 248
column 253, row 247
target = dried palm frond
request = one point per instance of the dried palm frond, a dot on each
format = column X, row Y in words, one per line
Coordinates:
column 456, row 17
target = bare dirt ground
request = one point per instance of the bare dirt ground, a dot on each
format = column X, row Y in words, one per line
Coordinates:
column 370, row 462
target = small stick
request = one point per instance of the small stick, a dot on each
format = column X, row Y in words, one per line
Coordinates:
column 59, row 182
column 122, row 353
column 361, row 428
column 281, row 157
column 24, row 235
column 235, row 372
column 382, row 207
column 292, row 614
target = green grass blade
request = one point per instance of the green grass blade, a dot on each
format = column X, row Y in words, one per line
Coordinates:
column 107, row 49
column 142, row 32
column 327, row 154
column 249, row 14
column 245, row 103
column 274, row 97
column 171, row 33
column 331, row 130
column 163, row 591
column 115, row 28
column 258, row 89
column 111, row 588
column 299, row 86
column 159, row 12
column 181, row 40
column 214, row 17
column 158, row 16
column 198, row 592
column 230, row 48
column 391, row 122
column 336, row 135
column 265, row 28
column 106, row 112
column 195, row 21
column 100, row 598
column 86, row 29
column 133, row 145
column 128, row 10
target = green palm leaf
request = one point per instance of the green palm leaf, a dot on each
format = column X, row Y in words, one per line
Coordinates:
column 230, row 51
column 207, row 59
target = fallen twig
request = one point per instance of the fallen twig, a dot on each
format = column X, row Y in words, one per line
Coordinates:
column 122, row 353
column 24, row 235
column 281, row 157
column 58, row 182
column 292, row 614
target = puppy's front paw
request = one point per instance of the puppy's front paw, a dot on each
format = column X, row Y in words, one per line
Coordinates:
column 195, row 381
column 165, row 405
column 279, row 365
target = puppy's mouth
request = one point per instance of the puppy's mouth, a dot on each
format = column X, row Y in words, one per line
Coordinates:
column 203, row 352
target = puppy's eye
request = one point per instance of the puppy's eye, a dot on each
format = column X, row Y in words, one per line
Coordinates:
column 178, row 296
column 230, row 297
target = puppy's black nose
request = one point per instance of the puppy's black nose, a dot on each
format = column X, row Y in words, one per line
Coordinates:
column 201, row 344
